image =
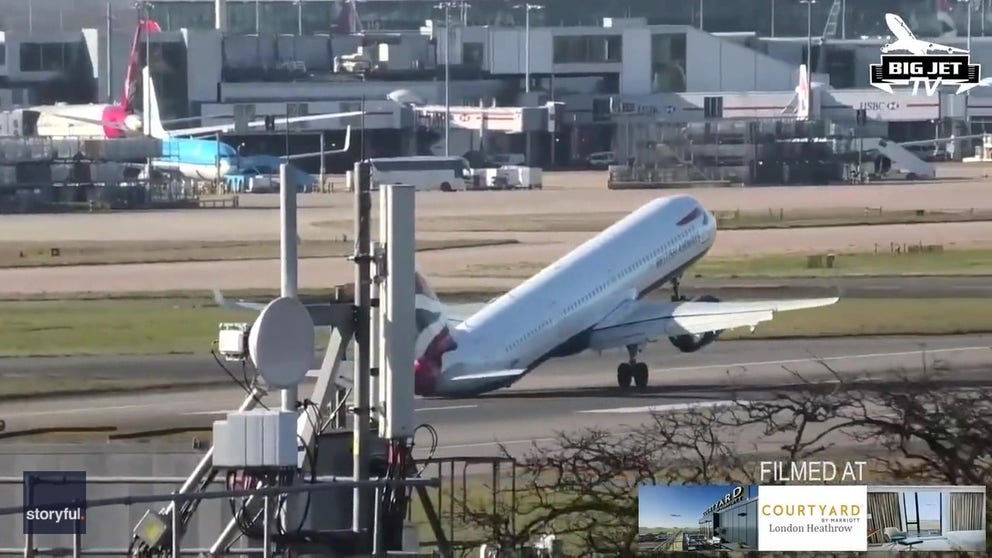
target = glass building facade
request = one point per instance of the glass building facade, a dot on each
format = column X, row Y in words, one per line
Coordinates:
column 779, row 18
column 736, row 524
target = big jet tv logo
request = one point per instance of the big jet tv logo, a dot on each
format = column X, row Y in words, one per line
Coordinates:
column 923, row 62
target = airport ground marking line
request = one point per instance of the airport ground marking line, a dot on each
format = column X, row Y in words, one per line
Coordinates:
column 71, row 411
column 835, row 357
column 666, row 407
column 448, row 408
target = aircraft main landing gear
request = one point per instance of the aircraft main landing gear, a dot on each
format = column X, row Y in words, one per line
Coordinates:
column 676, row 297
column 632, row 370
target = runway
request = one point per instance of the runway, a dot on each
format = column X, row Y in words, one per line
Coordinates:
column 562, row 395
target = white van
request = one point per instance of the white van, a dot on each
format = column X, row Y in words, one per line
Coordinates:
column 601, row 159
column 447, row 174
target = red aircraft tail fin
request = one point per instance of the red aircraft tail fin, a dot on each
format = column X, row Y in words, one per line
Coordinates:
column 133, row 69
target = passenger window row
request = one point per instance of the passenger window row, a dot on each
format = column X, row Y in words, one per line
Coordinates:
column 680, row 243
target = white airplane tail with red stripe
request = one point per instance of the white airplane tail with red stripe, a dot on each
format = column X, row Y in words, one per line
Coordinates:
column 803, row 94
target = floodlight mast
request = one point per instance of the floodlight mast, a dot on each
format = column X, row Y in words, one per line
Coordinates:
column 363, row 302
column 288, row 258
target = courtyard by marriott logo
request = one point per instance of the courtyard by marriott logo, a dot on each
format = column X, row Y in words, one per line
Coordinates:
column 54, row 502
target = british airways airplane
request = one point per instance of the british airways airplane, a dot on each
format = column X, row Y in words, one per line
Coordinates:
column 590, row 299
column 593, row 298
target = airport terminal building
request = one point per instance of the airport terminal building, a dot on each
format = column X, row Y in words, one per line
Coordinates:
column 621, row 80
column 734, row 519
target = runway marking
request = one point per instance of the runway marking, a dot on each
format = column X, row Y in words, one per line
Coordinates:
column 446, row 408
column 71, row 411
column 668, row 407
column 836, row 357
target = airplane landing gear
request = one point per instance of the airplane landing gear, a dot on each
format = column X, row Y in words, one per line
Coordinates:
column 632, row 370
column 676, row 297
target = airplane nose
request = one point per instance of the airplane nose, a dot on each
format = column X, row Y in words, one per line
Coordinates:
column 424, row 378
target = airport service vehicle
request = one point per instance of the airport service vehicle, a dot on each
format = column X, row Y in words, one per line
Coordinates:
column 447, row 174
column 593, row 298
column 601, row 159
column 500, row 159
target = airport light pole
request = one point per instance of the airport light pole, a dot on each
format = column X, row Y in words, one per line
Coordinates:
column 446, row 6
column 299, row 17
column 527, row 8
column 968, row 3
column 809, row 35
column 773, row 19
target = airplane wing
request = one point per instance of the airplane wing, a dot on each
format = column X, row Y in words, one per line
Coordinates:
column 640, row 322
column 223, row 128
column 940, row 140
column 347, row 146
column 934, row 47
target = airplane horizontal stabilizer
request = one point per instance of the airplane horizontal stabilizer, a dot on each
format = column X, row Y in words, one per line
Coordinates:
column 236, row 304
column 491, row 375
column 322, row 314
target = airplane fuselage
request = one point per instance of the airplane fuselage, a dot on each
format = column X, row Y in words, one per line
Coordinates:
column 553, row 313
column 196, row 158
column 87, row 121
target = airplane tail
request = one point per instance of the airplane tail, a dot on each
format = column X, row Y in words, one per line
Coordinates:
column 153, row 122
column 802, row 94
column 134, row 62
column 434, row 337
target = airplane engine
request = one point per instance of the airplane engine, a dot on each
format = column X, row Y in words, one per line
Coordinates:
column 692, row 343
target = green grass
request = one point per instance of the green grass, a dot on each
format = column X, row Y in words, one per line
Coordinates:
column 111, row 327
column 885, row 262
column 35, row 254
column 37, row 328
column 907, row 261
column 773, row 218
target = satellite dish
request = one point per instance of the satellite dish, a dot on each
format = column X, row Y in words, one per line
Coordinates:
column 281, row 342
column 405, row 97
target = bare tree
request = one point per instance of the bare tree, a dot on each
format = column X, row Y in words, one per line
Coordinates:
column 920, row 427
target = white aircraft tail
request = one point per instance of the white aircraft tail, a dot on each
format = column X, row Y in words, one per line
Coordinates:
column 799, row 105
column 152, row 120
column 802, row 94
column 432, row 318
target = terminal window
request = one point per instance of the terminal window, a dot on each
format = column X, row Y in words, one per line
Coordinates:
column 587, row 49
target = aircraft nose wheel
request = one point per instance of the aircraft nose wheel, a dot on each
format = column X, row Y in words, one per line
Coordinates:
column 636, row 372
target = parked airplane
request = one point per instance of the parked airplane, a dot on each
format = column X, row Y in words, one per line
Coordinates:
column 590, row 299
column 209, row 159
column 99, row 120
column 907, row 41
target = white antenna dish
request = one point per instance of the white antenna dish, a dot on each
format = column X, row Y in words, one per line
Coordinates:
column 281, row 343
